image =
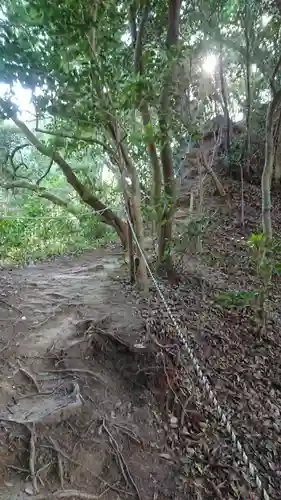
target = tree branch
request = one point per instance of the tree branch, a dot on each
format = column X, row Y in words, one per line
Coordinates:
column 105, row 214
column 42, row 193
column 45, row 173
column 17, row 148
column 272, row 83
column 89, row 140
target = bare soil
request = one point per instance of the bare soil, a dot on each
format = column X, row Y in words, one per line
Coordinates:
column 76, row 414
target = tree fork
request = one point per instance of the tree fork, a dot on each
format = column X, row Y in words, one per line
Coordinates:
column 105, row 214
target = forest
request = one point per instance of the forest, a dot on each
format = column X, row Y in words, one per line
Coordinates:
column 140, row 249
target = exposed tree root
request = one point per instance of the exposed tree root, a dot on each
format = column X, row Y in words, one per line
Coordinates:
column 83, row 371
column 57, row 448
column 32, row 458
column 122, row 463
column 69, row 494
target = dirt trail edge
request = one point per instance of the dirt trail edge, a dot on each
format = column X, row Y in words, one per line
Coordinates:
column 78, row 419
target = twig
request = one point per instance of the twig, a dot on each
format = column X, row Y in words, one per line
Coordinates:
column 129, row 433
column 61, row 470
column 41, row 470
column 5, row 347
column 156, row 342
column 35, row 394
column 110, row 335
column 96, row 377
column 123, row 465
column 11, row 306
column 215, row 489
column 116, row 449
column 32, row 458
column 57, row 448
column 183, row 412
column 20, row 469
column 28, row 375
column 51, row 316
column 67, row 494
column 148, row 370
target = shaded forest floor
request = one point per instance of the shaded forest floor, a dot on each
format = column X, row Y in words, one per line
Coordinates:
column 93, row 365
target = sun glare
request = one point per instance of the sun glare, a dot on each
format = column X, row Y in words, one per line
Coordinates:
column 209, row 63
column 22, row 99
column 265, row 19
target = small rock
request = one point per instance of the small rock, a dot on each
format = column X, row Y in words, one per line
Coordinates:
column 28, row 490
column 189, row 451
column 203, row 425
column 165, row 455
column 174, row 422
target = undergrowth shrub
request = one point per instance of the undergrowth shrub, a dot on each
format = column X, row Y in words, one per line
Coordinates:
column 44, row 231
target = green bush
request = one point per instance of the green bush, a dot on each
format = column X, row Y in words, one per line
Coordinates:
column 45, row 230
column 235, row 299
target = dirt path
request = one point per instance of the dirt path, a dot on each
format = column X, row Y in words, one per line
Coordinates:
column 97, row 428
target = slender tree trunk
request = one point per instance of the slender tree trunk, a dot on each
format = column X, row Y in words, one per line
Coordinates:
column 277, row 151
column 165, row 230
column 225, row 105
column 268, row 167
column 156, row 169
column 131, row 245
column 126, row 162
column 142, row 104
column 208, row 167
column 249, row 92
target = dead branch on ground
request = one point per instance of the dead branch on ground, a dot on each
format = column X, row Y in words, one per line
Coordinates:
column 5, row 347
column 97, row 378
column 61, row 470
column 32, row 458
column 46, row 466
column 11, row 306
column 131, row 434
column 28, row 375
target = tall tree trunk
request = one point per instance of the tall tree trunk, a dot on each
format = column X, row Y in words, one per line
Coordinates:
column 165, row 230
column 125, row 162
column 137, row 38
column 268, row 167
column 277, row 151
column 225, row 105
column 249, row 91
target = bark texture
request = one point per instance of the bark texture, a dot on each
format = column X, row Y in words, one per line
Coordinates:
column 165, row 230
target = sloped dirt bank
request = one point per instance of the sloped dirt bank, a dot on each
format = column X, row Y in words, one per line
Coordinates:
column 78, row 414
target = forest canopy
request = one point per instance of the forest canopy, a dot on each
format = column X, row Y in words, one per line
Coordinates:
column 119, row 92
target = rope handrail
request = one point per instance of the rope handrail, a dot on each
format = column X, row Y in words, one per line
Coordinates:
column 222, row 417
